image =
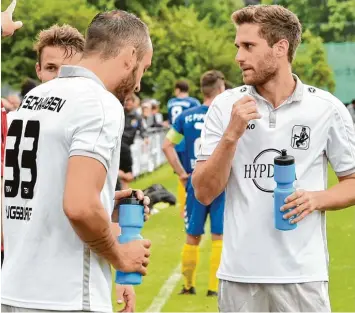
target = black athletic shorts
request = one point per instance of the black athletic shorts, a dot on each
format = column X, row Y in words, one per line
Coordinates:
column 126, row 159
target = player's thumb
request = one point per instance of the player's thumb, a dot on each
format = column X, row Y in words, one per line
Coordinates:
column 119, row 294
column 18, row 24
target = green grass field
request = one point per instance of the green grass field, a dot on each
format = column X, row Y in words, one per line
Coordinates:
column 166, row 231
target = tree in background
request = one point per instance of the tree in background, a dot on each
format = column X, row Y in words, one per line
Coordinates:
column 311, row 64
column 189, row 38
column 18, row 58
column 185, row 47
column 332, row 20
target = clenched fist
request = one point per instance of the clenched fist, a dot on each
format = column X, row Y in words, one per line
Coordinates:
column 244, row 110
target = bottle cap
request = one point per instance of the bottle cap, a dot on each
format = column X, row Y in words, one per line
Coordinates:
column 132, row 199
column 284, row 159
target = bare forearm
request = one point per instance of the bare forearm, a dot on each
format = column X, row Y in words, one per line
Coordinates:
column 210, row 179
column 340, row 196
column 94, row 228
column 116, row 229
column 173, row 160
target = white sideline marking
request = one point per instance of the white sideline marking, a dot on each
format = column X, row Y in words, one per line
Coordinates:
column 168, row 287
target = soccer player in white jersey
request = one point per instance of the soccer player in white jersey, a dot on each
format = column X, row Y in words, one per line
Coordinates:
column 64, row 45
column 57, row 46
column 62, row 159
column 262, row 268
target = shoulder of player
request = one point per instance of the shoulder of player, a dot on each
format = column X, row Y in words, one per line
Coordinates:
column 321, row 96
column 91, row 92
column 230, row 96
column 193, row 100
column 183, row 114
column 191, row 111
column 93, row 99
column 171, row 101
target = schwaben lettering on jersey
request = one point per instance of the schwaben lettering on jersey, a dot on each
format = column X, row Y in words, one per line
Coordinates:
column 18, row 213
column 54, row 104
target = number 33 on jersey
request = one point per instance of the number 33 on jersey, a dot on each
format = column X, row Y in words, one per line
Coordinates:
column 25, row 134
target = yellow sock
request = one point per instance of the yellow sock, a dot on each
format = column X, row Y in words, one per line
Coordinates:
column 190, row 258
column 214, row 264
column 181, row 198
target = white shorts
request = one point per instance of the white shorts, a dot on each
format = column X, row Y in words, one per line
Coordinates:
column 244, row 297
column 14, row 309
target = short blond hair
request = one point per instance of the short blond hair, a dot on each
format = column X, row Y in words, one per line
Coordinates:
column 276, row 23
column 65, row 36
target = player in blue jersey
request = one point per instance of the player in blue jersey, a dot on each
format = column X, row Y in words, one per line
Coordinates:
column 181, row 102
column 188, row 125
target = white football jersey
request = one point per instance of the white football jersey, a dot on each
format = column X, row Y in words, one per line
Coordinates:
column 46, row 264
column 314, row 127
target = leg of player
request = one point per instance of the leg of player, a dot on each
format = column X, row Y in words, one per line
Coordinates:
column 181, row 198
column 190, row 259
column 195, row 218
column 216, row 211
column 303, row 297
column 214, row 264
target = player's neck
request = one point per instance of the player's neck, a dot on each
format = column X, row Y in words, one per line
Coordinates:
column 182, row 95
column 278, row 89
column 100, row 69
column 207, row 101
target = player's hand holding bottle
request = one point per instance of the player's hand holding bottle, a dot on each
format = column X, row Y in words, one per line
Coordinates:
column 134, row 255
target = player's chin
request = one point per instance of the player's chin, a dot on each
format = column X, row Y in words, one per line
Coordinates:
column 248, row 80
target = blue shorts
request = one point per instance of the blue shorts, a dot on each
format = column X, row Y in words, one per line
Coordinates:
column 196, row 213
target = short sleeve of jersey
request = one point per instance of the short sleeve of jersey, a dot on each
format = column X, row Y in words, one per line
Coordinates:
column 96, row 129
column 341, row 141
column 212, row 131
column 179, row 124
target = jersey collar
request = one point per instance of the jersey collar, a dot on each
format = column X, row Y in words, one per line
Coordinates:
column 78, row 71
column 295, row 97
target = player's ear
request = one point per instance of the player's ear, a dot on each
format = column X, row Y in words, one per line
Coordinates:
column 281, row 48
column 130, row 57
column 38, row 71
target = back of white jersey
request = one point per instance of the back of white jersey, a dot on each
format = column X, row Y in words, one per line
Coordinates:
column 46, row 264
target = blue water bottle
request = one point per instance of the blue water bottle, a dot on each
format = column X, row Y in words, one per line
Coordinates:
column 284, row 175
column 131, row 220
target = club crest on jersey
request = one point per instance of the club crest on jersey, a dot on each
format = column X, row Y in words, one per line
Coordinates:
column 311, row 90
column 301, row 136
column 244, row 89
